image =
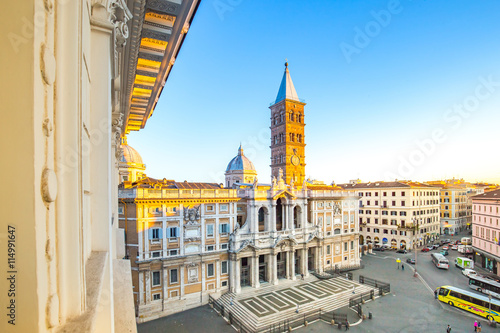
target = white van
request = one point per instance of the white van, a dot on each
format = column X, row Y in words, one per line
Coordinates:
column 464, row 263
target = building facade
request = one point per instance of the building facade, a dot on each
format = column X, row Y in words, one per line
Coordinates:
column 486, row 230
column 72, row 92
column 398, row 214
column 189, row 240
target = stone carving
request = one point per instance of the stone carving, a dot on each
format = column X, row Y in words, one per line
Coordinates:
column 280, row 175
column 273, row 184
column 292, row 185
column 336, row 209
column 192, row 215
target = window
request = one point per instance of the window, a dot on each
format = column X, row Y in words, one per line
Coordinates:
column 210, row 208
column 156, row 297
column 328, row 249
column 352, row 245
column 224, row 207
column 210, row 247
column 156, row 278
column 345, row 246
column 172, row 252
column 210, row 270
column 403, row 203
column 394, row 203
column 223, row 267
column 223, row 246
column 120, row 210
column 224, row 283
column 393, row 194
column 173, row 232
column 210, row 230
column 156, row 254
column 403, row 194
column 328, row 220
column 173, row 276
column 224, row 228
column 155, row 233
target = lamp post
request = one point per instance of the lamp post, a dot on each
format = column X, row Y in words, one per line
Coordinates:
column 415, row 234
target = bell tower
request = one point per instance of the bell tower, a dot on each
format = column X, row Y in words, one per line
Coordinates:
column 287, row 133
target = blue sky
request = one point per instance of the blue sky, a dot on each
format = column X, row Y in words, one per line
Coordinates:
column 394, row 90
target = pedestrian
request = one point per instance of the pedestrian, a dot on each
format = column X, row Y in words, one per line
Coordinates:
column 403, row 267
column 479, row 326
column 448, row 330
column 475, row 326
column 347, row 325
column 436, row 294
column 353, row 289
column 302, row 276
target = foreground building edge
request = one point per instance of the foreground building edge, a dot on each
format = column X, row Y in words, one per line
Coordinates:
column 67, row 273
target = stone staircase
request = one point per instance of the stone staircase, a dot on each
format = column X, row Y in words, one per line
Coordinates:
column 255, row 323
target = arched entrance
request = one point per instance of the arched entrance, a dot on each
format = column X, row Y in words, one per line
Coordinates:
column 262, row 219
column 402, row 245
column 297, row 213
column 376, row 241
column 394, row 243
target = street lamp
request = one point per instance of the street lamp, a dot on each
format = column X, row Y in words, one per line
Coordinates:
column 415, row 234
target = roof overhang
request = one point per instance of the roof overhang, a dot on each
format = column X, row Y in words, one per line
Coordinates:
column 157, row 31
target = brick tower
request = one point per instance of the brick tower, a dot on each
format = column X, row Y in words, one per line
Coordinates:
column 287, row 133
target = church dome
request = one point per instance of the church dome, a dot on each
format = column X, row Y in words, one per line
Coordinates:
column 240, row 163
column 130, row 155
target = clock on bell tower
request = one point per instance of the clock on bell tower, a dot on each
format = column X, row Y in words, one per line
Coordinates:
column 287, row 133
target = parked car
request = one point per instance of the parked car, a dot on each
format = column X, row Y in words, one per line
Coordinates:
column 435, row 246
column 401, row 251
column 378, row 249
column 410, row 261
column 447, row 240
column 444, row 252
column 425, row 249
column 454, row 247
column 469, row 272
column 446, row 247
column 431, row 247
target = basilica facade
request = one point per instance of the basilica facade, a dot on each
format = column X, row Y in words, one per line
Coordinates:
column 189, row 240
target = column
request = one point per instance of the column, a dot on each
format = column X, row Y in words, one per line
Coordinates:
column 304, row 260
column 287, row 266
column 237, row 276
column 305, row 207
column 146, row 238
column 274, row 258
column 181, row 276
column 147, row 275
column 203, row 276
column 164, row 240
column 250, row 217
column 317, row 259
column 165, row 283
column 181, row 231
column 255, row 271
column 284, row 225
column 140, row 238
column 290, row 216
column 216, row 232
column 140, row 295
column 218, row 272
column 272, row 219
column 291, row 264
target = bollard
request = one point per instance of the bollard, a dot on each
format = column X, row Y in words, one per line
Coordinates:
column 305, row 323
column 339, row 326
column 370, row 316
column 333, row 322
column 364, row 317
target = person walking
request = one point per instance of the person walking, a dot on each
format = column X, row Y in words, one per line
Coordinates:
column 475, row 326
column 403, row 267
column 448, row 330
column 479, row 326
column 347, row 325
